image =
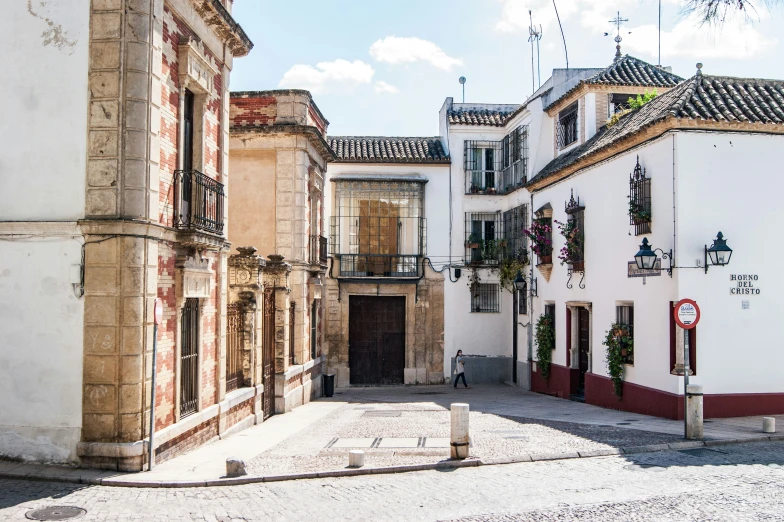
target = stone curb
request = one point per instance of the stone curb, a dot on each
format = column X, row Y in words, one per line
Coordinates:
column 93, row 478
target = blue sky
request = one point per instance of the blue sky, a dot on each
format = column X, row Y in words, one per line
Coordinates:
column 385, row 68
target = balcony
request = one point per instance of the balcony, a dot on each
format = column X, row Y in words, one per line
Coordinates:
column 318, row 250
column 496, row 167
column 198, row 209
column 378, row 265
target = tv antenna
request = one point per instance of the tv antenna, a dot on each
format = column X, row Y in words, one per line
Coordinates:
column 617, row 22
column 462, row 81
column 534, row 35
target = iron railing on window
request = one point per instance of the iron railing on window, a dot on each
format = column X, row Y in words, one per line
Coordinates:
column 515, row 221
column 198, row 202
column 496, row 167
column 485, row 243
column 318, row 250
column 485, row 298
column 567, row 127
column 292, row 331
column 314, row 309
column 378, row 265
column 189, row 358
column 640, row 201
column 235, row 328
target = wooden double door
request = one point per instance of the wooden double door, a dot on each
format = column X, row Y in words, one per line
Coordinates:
column 376, row 339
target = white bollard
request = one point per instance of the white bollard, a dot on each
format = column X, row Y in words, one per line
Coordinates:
column 459, row 439
column 694, row 429
column 769, row 424
column 356, row 458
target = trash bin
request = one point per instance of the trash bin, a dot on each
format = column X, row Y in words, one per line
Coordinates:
column 329, row 384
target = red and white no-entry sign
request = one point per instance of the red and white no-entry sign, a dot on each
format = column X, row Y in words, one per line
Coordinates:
column 686, row 313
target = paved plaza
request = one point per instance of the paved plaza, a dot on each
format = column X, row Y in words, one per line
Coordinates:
column 737, row 482
column 409, row 426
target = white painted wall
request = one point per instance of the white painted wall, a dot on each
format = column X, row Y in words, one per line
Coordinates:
column 44, row 88
column 732, row 183
column 42, row 178
column 609, row 245
column 42, row 322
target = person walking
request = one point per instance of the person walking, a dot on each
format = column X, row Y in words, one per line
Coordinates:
column 460, row 368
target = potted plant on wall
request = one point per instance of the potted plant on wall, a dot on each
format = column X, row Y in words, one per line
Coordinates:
column 545, row 344
column 572, row 251
column 473, row 240
column 541, row 244
column 639, row 213
column 620, row 350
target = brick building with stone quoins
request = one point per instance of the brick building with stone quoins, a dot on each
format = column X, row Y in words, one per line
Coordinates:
column 279, row 158
column 135, row 210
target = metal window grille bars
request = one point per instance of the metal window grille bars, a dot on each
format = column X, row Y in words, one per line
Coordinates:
column 485, row 298
column 485, row 243
column 189, row 358
column 292, row 331
column 318, row 250
column 640, row 200
column 576, row 213
column 624, row 314
column 496, row 167
column 313, row 328
column 567, row 126
column 379, row 229
column 198, row 202
column 515, row 220
column 235, row 328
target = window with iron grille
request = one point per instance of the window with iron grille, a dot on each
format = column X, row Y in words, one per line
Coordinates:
column 567, row 126
column 189, row 358
column 496, row 167
column 484, row 240
column 549, row 310
column 314, row 328
column 485, row 298
column 515, row 221
column 234, row 333
column 624, row 315
column 640, row 200
column 292, row 331
column 379, row 228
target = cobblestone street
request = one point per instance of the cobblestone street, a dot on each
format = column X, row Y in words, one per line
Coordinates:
column 736, row 482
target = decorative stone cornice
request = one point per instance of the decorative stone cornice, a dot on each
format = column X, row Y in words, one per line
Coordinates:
column 245, row 270
column 196, row 71
column 310, row 132
column 218, row 18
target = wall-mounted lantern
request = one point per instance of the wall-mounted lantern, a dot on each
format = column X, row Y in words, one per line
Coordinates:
column 646, row 258
column 719, row 253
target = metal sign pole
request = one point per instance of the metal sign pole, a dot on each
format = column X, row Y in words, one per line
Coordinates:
column 685, row 382
column 158, row 317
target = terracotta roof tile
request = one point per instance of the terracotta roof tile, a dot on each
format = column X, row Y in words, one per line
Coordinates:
column 495, row 118
column 383, row 149
column 701, row 98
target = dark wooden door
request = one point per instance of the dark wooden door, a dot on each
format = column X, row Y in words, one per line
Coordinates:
column 268, row 355
column 376, row 333
column 585, row 335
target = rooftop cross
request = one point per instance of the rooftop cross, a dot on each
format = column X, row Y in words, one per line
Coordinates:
column 617, row 21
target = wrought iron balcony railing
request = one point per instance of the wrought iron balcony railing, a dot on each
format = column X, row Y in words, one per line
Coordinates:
column 378, row 265
column 198, row 202
column 318, row 250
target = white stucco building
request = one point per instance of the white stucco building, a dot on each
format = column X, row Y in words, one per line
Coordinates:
column 676, row 162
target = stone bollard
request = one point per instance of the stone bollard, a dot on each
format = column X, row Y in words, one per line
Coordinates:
column 769, row 424
column 694, row 429
column 356, row 458
column 459, row 439
column 235, row 467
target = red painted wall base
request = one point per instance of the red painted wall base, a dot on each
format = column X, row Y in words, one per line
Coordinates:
column 650, row 401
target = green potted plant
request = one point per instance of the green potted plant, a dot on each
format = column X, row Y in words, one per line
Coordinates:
column 572, row 251
column 545, row 344
column 473, row 240
column 639, row 213
column 541, row 244
column 620, row 350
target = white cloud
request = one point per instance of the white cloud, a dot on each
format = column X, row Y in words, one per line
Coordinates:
column 736, row 38
column 326, row 76
column 384, row 87
column 394, row 50
column 733, row 40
